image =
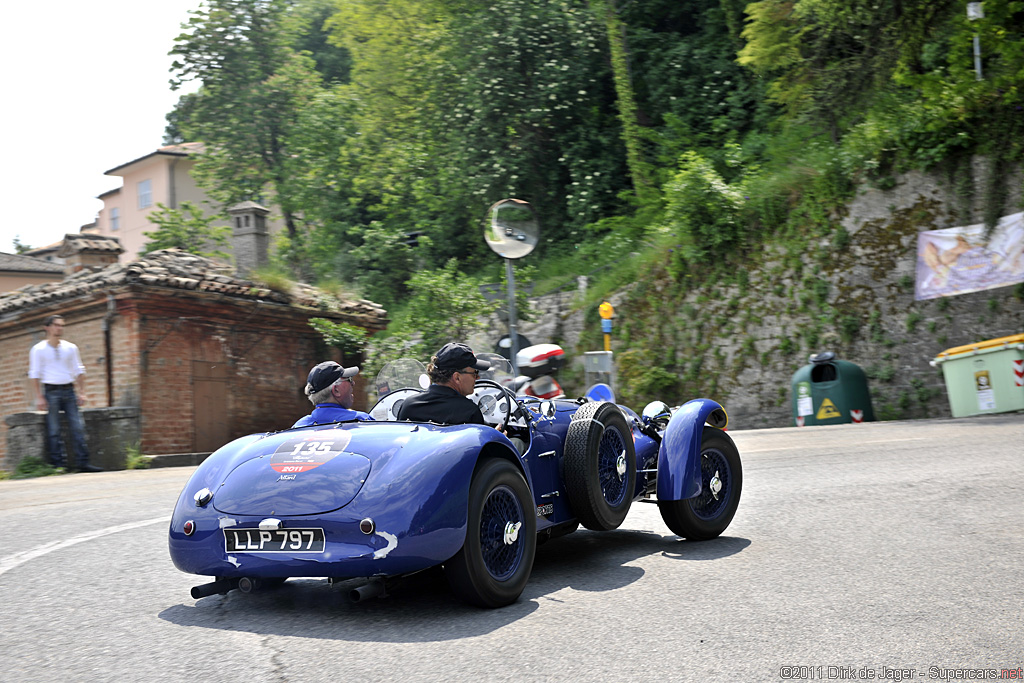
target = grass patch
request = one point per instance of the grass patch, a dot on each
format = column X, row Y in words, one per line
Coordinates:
column 31, row 467
column 273, row 279
column 134, row 459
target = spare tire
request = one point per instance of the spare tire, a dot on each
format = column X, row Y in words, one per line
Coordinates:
column 599, row 466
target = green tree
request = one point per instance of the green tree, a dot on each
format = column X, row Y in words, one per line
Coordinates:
column 445, row 305
column 465, row 102
column 253, row 86
column 187, row 229
column 19, row 246
column 348, row 339
column 625, row 98
column 828, row 57
column 703, row 210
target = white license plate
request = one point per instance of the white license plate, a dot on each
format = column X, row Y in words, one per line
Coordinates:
column 277, row 541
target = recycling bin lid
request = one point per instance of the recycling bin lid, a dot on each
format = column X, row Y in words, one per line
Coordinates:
column 982, row 347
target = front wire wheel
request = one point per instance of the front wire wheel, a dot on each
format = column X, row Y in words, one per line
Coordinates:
column 494, row 564
column 710, row 513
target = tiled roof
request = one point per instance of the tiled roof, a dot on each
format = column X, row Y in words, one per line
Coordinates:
column 89, row 242
column 176, row 269
column 182, row 150
column 246, row 206
column 27, row 264
column 49, row 247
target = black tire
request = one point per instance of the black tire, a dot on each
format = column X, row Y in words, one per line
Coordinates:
column 599, row 466
column 709, row 514
column 494, row 564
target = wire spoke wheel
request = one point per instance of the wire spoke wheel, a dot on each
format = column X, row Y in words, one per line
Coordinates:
column 495, row 562
column 721, row 480
column 500, row 522
column 715, row 478
column 611, row 461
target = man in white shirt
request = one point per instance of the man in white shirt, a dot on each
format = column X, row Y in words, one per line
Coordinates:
column 54, row 366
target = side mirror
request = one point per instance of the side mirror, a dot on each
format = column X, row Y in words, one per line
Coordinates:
column 657, row 414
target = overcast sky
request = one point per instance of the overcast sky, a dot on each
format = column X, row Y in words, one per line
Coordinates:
column 85, row 89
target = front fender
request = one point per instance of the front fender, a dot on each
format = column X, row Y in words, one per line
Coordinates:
column 679, row 455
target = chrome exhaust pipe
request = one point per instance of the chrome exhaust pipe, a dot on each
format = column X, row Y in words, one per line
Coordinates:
column 219, row 587
column 365, row 592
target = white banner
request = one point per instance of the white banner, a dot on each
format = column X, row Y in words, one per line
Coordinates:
column 959, row 260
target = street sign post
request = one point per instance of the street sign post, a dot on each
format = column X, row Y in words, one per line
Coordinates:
column 607, row 312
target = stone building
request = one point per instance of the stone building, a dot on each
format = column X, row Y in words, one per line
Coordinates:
column 203, row 355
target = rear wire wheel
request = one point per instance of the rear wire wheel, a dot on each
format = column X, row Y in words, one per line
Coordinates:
column 710, row 513
column 494, row 564
column 599, row 466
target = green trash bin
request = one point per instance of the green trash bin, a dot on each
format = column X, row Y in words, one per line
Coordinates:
column 830, row 391
column 986, row 377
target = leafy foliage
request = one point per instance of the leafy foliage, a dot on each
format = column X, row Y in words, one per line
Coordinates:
column 383, row 129
column 19, row 246
column 31, row 466
column 702, row 209
column 134, row 459
column 253, row 87
column 446, row 305
column 349, row 339
column 188, row 229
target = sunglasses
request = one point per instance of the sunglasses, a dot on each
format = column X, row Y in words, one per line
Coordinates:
column 475, row 373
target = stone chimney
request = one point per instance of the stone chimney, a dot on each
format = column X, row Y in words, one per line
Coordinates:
column 81, row 251
column 249, row 236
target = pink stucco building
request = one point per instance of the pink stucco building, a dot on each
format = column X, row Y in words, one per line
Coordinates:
column 160, row 177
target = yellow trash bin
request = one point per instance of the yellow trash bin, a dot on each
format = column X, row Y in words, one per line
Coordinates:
column 986, row 377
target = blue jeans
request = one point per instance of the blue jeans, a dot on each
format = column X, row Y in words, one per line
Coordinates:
column 58, row 399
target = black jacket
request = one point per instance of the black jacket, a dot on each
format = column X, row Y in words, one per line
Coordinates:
column 442, row 405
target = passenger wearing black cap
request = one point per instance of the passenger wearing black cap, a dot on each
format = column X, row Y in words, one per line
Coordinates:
column 453, row 373
column 329, row 388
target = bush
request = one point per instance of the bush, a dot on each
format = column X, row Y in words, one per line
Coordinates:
column 641, row 382
column 349, row 339
column 702, row 210
column 134, row 459
column 849, row 326
column 31, row 466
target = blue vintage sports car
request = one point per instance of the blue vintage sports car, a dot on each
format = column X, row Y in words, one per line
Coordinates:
column 386, row 499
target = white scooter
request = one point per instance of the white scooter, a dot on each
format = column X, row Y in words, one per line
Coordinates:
column 537, row 364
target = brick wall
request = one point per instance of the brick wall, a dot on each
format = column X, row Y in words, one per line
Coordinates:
column 83, row 327
column 264, row 351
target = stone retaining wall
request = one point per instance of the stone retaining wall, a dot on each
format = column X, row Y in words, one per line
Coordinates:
column 109, row 432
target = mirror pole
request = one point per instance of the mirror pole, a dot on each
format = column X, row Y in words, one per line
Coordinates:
column 512, row 333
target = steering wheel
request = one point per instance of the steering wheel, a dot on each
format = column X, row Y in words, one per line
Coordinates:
column 492, row 407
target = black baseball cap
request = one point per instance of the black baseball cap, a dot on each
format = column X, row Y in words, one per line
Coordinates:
column 455, row 356
column 325, row 374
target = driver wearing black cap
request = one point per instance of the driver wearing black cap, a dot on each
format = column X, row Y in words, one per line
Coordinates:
column 453, row 374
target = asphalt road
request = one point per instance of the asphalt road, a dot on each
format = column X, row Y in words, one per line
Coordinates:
column 859, row 552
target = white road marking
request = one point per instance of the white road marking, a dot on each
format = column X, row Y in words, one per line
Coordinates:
column 802, row 446
column 17, row 559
